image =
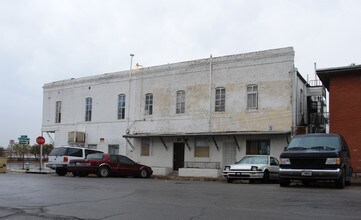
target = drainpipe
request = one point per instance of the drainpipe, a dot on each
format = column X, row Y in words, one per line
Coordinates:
column 210, row 93
column 294, row 99
column 129, row 100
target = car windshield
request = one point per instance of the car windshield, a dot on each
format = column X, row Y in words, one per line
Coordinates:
column 314, row 143
column 97, row 156
column 254, row 160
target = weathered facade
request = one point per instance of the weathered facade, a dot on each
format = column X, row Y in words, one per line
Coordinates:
column 193, row 117
column 344, row 85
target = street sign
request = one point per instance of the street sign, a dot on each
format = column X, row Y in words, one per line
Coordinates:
column 40, row 140
column 23, row 139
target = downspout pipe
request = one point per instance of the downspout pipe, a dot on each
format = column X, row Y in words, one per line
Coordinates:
column 294, row 99
column 210, row 92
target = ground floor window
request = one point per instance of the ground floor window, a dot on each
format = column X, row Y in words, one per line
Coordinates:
column 113, row 148
column 258, row 147
column 201, row 148
column 145, row 147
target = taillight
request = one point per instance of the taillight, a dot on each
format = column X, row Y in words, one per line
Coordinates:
column 65, row 159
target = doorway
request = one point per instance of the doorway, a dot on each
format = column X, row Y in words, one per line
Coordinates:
column 178, row 156
column 229, row 153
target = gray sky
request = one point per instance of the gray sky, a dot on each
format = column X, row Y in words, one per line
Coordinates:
column 45, row 41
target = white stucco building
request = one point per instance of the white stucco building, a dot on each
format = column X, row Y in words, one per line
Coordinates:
column 193, row 117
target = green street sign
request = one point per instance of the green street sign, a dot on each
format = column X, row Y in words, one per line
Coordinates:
column 23, row 139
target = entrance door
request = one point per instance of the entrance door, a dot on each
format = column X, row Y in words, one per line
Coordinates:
column 178, row 156
column 229, row 153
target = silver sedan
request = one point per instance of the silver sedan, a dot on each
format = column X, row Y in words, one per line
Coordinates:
column 252, row 168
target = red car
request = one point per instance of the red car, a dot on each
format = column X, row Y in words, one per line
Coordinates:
column 104, row 165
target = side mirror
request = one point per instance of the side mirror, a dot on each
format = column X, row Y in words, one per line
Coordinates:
column 285, row 148
column 236, row 162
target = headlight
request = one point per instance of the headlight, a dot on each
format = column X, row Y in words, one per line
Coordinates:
column 333, row 161
column 285, row 161
column 254, row 168
column 227, row 168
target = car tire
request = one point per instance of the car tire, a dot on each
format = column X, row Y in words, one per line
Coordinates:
column 266, row 176
column 341, row 182
column 75, row 173
column 284, row 182
column 103, row 171
column 229, row 180
column 143, row 173
column 61, row 172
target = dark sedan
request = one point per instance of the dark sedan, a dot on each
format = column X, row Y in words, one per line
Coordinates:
column 104, row 165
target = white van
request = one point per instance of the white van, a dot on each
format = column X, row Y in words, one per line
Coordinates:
column 59, row 157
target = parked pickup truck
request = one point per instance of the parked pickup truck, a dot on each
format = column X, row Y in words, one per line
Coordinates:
column 315, row 157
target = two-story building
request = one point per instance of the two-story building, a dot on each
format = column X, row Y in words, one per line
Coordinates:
column 193, row 117
column 344, row 86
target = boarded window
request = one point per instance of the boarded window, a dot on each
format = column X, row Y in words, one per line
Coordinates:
column 145, row 147
column 201, row 147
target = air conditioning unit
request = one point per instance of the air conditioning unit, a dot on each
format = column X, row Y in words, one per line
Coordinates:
column 76, row 137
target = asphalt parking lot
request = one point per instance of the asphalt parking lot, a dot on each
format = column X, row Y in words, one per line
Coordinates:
column 48, row 196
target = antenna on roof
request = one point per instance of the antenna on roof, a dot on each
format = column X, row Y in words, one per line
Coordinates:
column 315, row 66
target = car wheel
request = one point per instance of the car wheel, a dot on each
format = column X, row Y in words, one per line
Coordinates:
column 143, row 173
column 74, row 173
column 266, row 176
column 103, row 171
column 61, row 172
column 229, row 180
column 284, row 182
column 341, row 182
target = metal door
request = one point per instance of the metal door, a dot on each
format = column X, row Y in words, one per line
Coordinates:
column 178, row 156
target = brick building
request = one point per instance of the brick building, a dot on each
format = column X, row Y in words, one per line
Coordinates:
column 344, row 86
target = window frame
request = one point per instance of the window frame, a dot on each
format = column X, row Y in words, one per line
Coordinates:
column 180, row 102
column 121, row 106
column 58, row 112
column 148, row 104
column 201, row 147
column 220, row 99
column 263, row 147
column 145, row 147
column 88, row 108
column 252, row 96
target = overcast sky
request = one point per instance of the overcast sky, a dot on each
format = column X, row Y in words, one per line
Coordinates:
column 46, row 41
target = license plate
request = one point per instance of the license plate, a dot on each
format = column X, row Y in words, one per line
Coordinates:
column 306, row 173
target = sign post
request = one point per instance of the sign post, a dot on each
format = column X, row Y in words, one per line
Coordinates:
column 24, row 140
column 40, row 140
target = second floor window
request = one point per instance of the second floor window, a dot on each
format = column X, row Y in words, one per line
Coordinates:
column 220, row 104
column 252, row 97
column 180, row 105
column 88, row 109
column 58, row 112
column 148, row 104
column 121, row 106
